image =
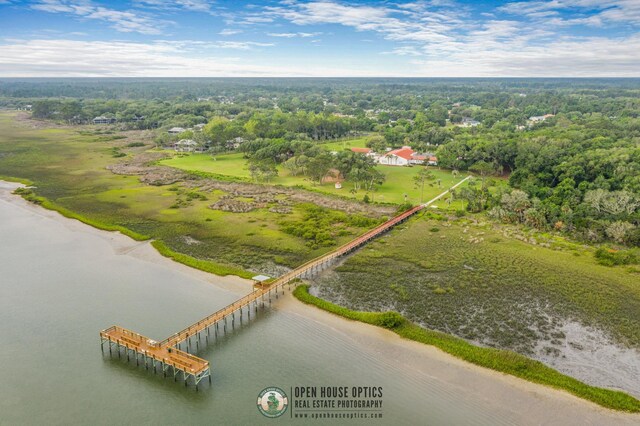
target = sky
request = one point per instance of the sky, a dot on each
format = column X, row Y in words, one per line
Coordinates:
column 320, row 38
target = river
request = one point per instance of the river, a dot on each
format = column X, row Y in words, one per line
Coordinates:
column 62, row 281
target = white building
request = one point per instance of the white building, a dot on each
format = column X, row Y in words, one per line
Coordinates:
column 397, row 157
column 469, row 122
column 539, row 118
column 176, row 130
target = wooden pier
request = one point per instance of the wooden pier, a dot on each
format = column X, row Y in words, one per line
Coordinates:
column 168, row 354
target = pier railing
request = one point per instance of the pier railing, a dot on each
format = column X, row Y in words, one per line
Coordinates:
column 166, row 353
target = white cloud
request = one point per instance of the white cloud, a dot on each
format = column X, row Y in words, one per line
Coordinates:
column 192, row 5
column 123, row 21
column 228, row 32
column 71, row 58
column 591, row 57
column 596, row 12
column 413, row 22
column 448, row 42
column 428, row 38
column 257, row 20
column 284, row 35
column 239, row 45
column 292, row 35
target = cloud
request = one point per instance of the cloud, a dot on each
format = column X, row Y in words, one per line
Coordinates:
column 191, row 5
column 446, row 40
column 123, row 21
column 427, row 38
column 257, row 20
column 292, row 35
column 590, row 57
column 72, row 58
column 228, row 32
column 597, row 12
column 420, row 21
column 239, row 45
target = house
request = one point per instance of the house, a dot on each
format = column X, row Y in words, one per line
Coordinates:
column 432, row 160
column 417, row 158
column 104, row 120
column 397, row 157
column 137, row 118
column 362, row 150
column 539, row 118
column 469, row 122
column 187, row 145
column 199, row 126
column 176, row 130
column 366, row 151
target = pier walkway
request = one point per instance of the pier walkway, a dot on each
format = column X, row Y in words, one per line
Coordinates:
column 168, row 354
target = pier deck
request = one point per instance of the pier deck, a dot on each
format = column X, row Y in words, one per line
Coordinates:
column 168, row 354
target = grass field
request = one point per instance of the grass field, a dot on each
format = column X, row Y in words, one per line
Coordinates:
column 345, row 144
column 234, row 165
column 399, row 180
column 68, row 168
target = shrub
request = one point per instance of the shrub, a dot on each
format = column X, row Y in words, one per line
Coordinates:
column 609, row 257
column 390, row 320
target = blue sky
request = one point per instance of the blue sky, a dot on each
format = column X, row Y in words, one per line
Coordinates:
column 430, row 38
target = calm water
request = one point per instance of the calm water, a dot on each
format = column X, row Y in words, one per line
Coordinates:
column 58, row 288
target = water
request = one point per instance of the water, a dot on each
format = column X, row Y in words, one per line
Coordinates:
column 60, row 285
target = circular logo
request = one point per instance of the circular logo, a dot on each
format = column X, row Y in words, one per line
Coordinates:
column 272, row 402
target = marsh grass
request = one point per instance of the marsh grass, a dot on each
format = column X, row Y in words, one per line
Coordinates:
column 476, row 283
column 203, row 265
column 499, row 360
column 68, row 169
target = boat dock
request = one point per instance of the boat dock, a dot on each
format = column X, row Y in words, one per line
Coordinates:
column 168, row 354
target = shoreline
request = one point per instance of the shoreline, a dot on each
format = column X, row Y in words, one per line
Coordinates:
column 427, row 361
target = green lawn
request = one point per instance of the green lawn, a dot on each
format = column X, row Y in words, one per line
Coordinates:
column 399, row 180
column 226, row 164
column 346, row 144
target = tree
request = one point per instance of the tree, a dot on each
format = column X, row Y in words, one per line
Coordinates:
column 374, row 179
column 319, row 166
column 517, row 202
column 376, row 143
column 422, row 177
column 216, row 130
column 484, row 169
column 262, row 170
column 618, row 230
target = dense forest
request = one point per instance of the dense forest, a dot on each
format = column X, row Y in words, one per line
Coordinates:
column 570, row 148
